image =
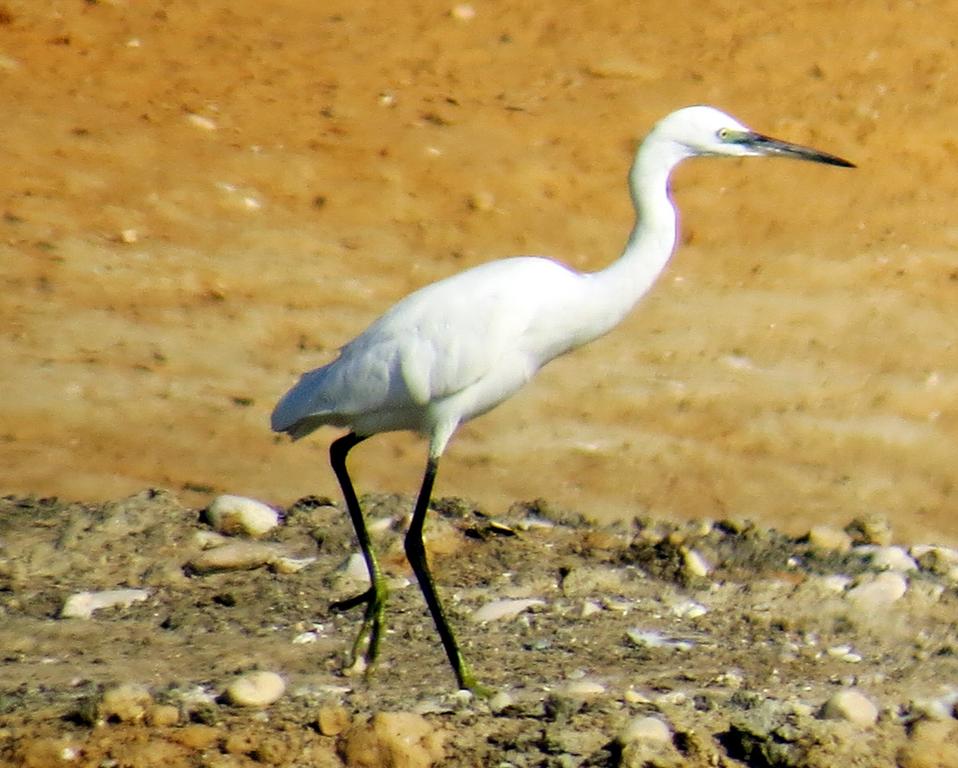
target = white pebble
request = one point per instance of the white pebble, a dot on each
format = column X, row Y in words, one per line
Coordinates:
column 935, row 708
column 590, row 608
column 463, row 12
column 633, row 696
column 355, row 569
column 201, row 122
column 534, row 524
column 582, row 689
column 888, row 558
column 695, row 564
column 834, row 582
column 838, row 651
column 653, row 639
column 237, row 514
column 947, row 554
column 732, row 679
column 504, row 609
column 236, row 556
column 83, row 604
column 255, row 689
column 852, row 706
column 287, row 565
column 830, row 539
column 884, row 589
column 689, row 609
column 380, row 525
column 647, row 729
column 500, row 700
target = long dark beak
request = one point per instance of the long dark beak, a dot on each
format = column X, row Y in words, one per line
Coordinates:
column 775, row 147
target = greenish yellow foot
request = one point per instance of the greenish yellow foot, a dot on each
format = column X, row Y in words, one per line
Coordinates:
column 366, row 646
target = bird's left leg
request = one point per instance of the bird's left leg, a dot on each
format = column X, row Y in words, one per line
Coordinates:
column 416, row 554
column 366, row 647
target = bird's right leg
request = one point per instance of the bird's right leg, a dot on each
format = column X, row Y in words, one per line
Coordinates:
column 366, row 646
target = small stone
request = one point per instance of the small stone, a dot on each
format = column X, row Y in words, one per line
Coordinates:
column 649, row 729
column 128, row 236
column 931, row 745
column 839, row 651
column 255, row 689
column 650, row 638
column 196, row 736
column 288, row 565
column 240, row 743
column 582, row 689
column 695, row 564
column 624, row 68
column 463, row 11
column 126, row 703
column 884, row 589
column 633, row 696
column 589, row 608
column 888, row 558
column 162, row 715
column 379, row 525
column 498, row 610
column 732, row 679
column 199, row 121
column 934, row 708
column 591, row 581
column 82, row 605
column 235, row 556
column 850, row 705
column 689, row 609
column 332, row 720
column 829, row 539
column 47, row 751
column 354, row 569
column 561, row 738
column 942, row 561
column 835, row 583
column 233, row 515
column 870, row 529
column 398, row 739
column 615, row 604
column 500, row 700
column 947, row 554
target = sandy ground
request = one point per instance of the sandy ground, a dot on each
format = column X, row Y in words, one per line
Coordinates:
column 202, row 200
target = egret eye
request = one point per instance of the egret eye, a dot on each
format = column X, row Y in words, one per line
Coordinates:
column 724, row 134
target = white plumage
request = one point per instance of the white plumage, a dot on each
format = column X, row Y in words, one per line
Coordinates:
column 457, row 348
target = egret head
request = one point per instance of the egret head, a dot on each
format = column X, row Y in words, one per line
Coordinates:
column 701, row 130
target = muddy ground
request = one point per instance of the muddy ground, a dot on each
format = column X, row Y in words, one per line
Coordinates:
column 734, row 636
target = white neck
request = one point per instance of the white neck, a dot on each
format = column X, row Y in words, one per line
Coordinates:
column 619, row 286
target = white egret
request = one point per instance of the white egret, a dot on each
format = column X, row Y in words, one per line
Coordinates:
column 457, row 348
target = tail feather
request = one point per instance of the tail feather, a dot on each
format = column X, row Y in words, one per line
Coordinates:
column 301, row 410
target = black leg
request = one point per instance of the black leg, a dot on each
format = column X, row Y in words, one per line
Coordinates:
column 366, row 647
column 416, row 554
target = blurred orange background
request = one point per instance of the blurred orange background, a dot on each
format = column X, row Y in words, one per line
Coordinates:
column 202, row 200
